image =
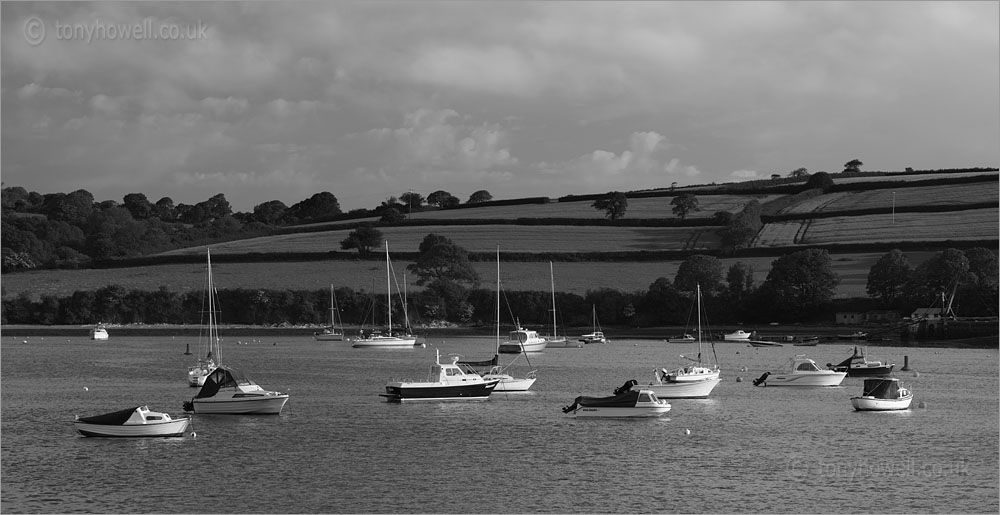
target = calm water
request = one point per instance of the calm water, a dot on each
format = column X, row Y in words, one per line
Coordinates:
column 338, row 447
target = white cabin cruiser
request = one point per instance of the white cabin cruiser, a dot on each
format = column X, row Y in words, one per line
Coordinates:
column 802, row 372
column 445, row 382
column 523, row 340
column 227, row 391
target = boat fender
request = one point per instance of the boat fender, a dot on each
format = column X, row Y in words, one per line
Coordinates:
column 762, row 379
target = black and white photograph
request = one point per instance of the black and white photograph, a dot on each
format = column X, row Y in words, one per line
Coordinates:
column 483, row 256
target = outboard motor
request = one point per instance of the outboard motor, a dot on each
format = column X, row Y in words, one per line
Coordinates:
column 760, row 380
column 626, row 387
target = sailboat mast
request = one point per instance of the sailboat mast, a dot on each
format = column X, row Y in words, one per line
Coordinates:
column 698, row 297
column 388, row 287
column 498, row 300
column 213, row 330
column 552, row 288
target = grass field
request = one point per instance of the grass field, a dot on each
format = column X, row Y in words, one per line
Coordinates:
column 974, row 224
column 943, row 195
column 569, row 277
column 485, row 238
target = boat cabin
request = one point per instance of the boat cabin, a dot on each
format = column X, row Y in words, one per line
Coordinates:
column 452, row 373
column 805, row 365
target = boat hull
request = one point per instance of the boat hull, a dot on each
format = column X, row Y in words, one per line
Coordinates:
column 875, row 404
column 410, row 392
column 241, row 405
column 99, row 334
column 816, row 379
column 384, row 343
column 562, row 343
column 168, row 428
column 328, row 337
column 511, row 384
column 636, row 412
column 516, row 348
column 699, row 389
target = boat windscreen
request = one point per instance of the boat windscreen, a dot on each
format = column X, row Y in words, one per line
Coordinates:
column 221, row 377
column 881, row 388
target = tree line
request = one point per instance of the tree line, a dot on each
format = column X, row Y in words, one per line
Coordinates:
column 799, row 287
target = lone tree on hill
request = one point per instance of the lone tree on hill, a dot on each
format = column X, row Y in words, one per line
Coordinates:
column 853, row 166
column 363, row 239
column 442, row 199
column 614, row 204
column 799, row 172
column 480, row 196
column 684, row 204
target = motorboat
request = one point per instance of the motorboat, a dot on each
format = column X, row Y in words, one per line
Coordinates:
column 695, row 380
column 335, row 331
column 883, row 394
column 596, row 335
column 200, row 370
column 738, row 335
column 801, row 372
column 857, row 365
column 857, row 335
column 387, row 340
column 523, row 340
column 139, row 421
column 228, row 391
column 681, row 338
column 508, row 383
column 625, row 403
column 99, row 332
column 450, row 381
column 804, row 341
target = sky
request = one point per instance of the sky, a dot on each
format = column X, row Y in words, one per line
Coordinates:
column 267, row 101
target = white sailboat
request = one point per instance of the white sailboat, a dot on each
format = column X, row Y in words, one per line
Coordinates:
column 508, row 383
column 335, row 331
column 597, row 335
column 696, row 380
column 556, row 341
column 378, row 340
column 210, row 360
column 226, row 390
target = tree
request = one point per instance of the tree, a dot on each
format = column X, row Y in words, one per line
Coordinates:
column 138, row 205
column 699, row 269
column 164, row 209
column 799, row 172
column 853, row 166
column 321, row 205
column 888, row 276
column 800, row 281
column 411, row 200
column 447, row 262
column 684, row 204
column 433, row 239
column 363, row 239
column 820, row 180
column 982, row 266
column 438, row 197
column 614, row 204
column 391, row 215
column 480, row 196
column 743, row 227
column 941, row 273
column 269, row 212
column 450, row 202
column 740, row 278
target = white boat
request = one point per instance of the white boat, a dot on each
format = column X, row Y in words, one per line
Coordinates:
column 523, row 340
column 228, row 391
column 225, row 390
column 133, row 422
column 764, row 343
column 210, row 336
column 388, row 340
column 693, row 381
column 802, row 372
column 857, row 365
column 556, row 341
column 883, row 394
column 738, row 335
column 507, row 382
column 682, row 338
column 99, row 332
column 445, row 382
column 625, row 403
column 596, row 335
column 335, row 331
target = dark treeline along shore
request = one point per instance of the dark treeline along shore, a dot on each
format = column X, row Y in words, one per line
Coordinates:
column 805, row 222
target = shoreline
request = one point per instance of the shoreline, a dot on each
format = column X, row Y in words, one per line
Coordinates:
column 827, row 333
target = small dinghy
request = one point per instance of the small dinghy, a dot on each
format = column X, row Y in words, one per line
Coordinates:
column 883, row 394
column 625, row 403
column 132, row 422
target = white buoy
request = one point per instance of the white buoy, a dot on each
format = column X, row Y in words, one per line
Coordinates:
column 916, row 374
column 687, row 431
column 86, row 389
column 739, row 379
column 194, row 435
